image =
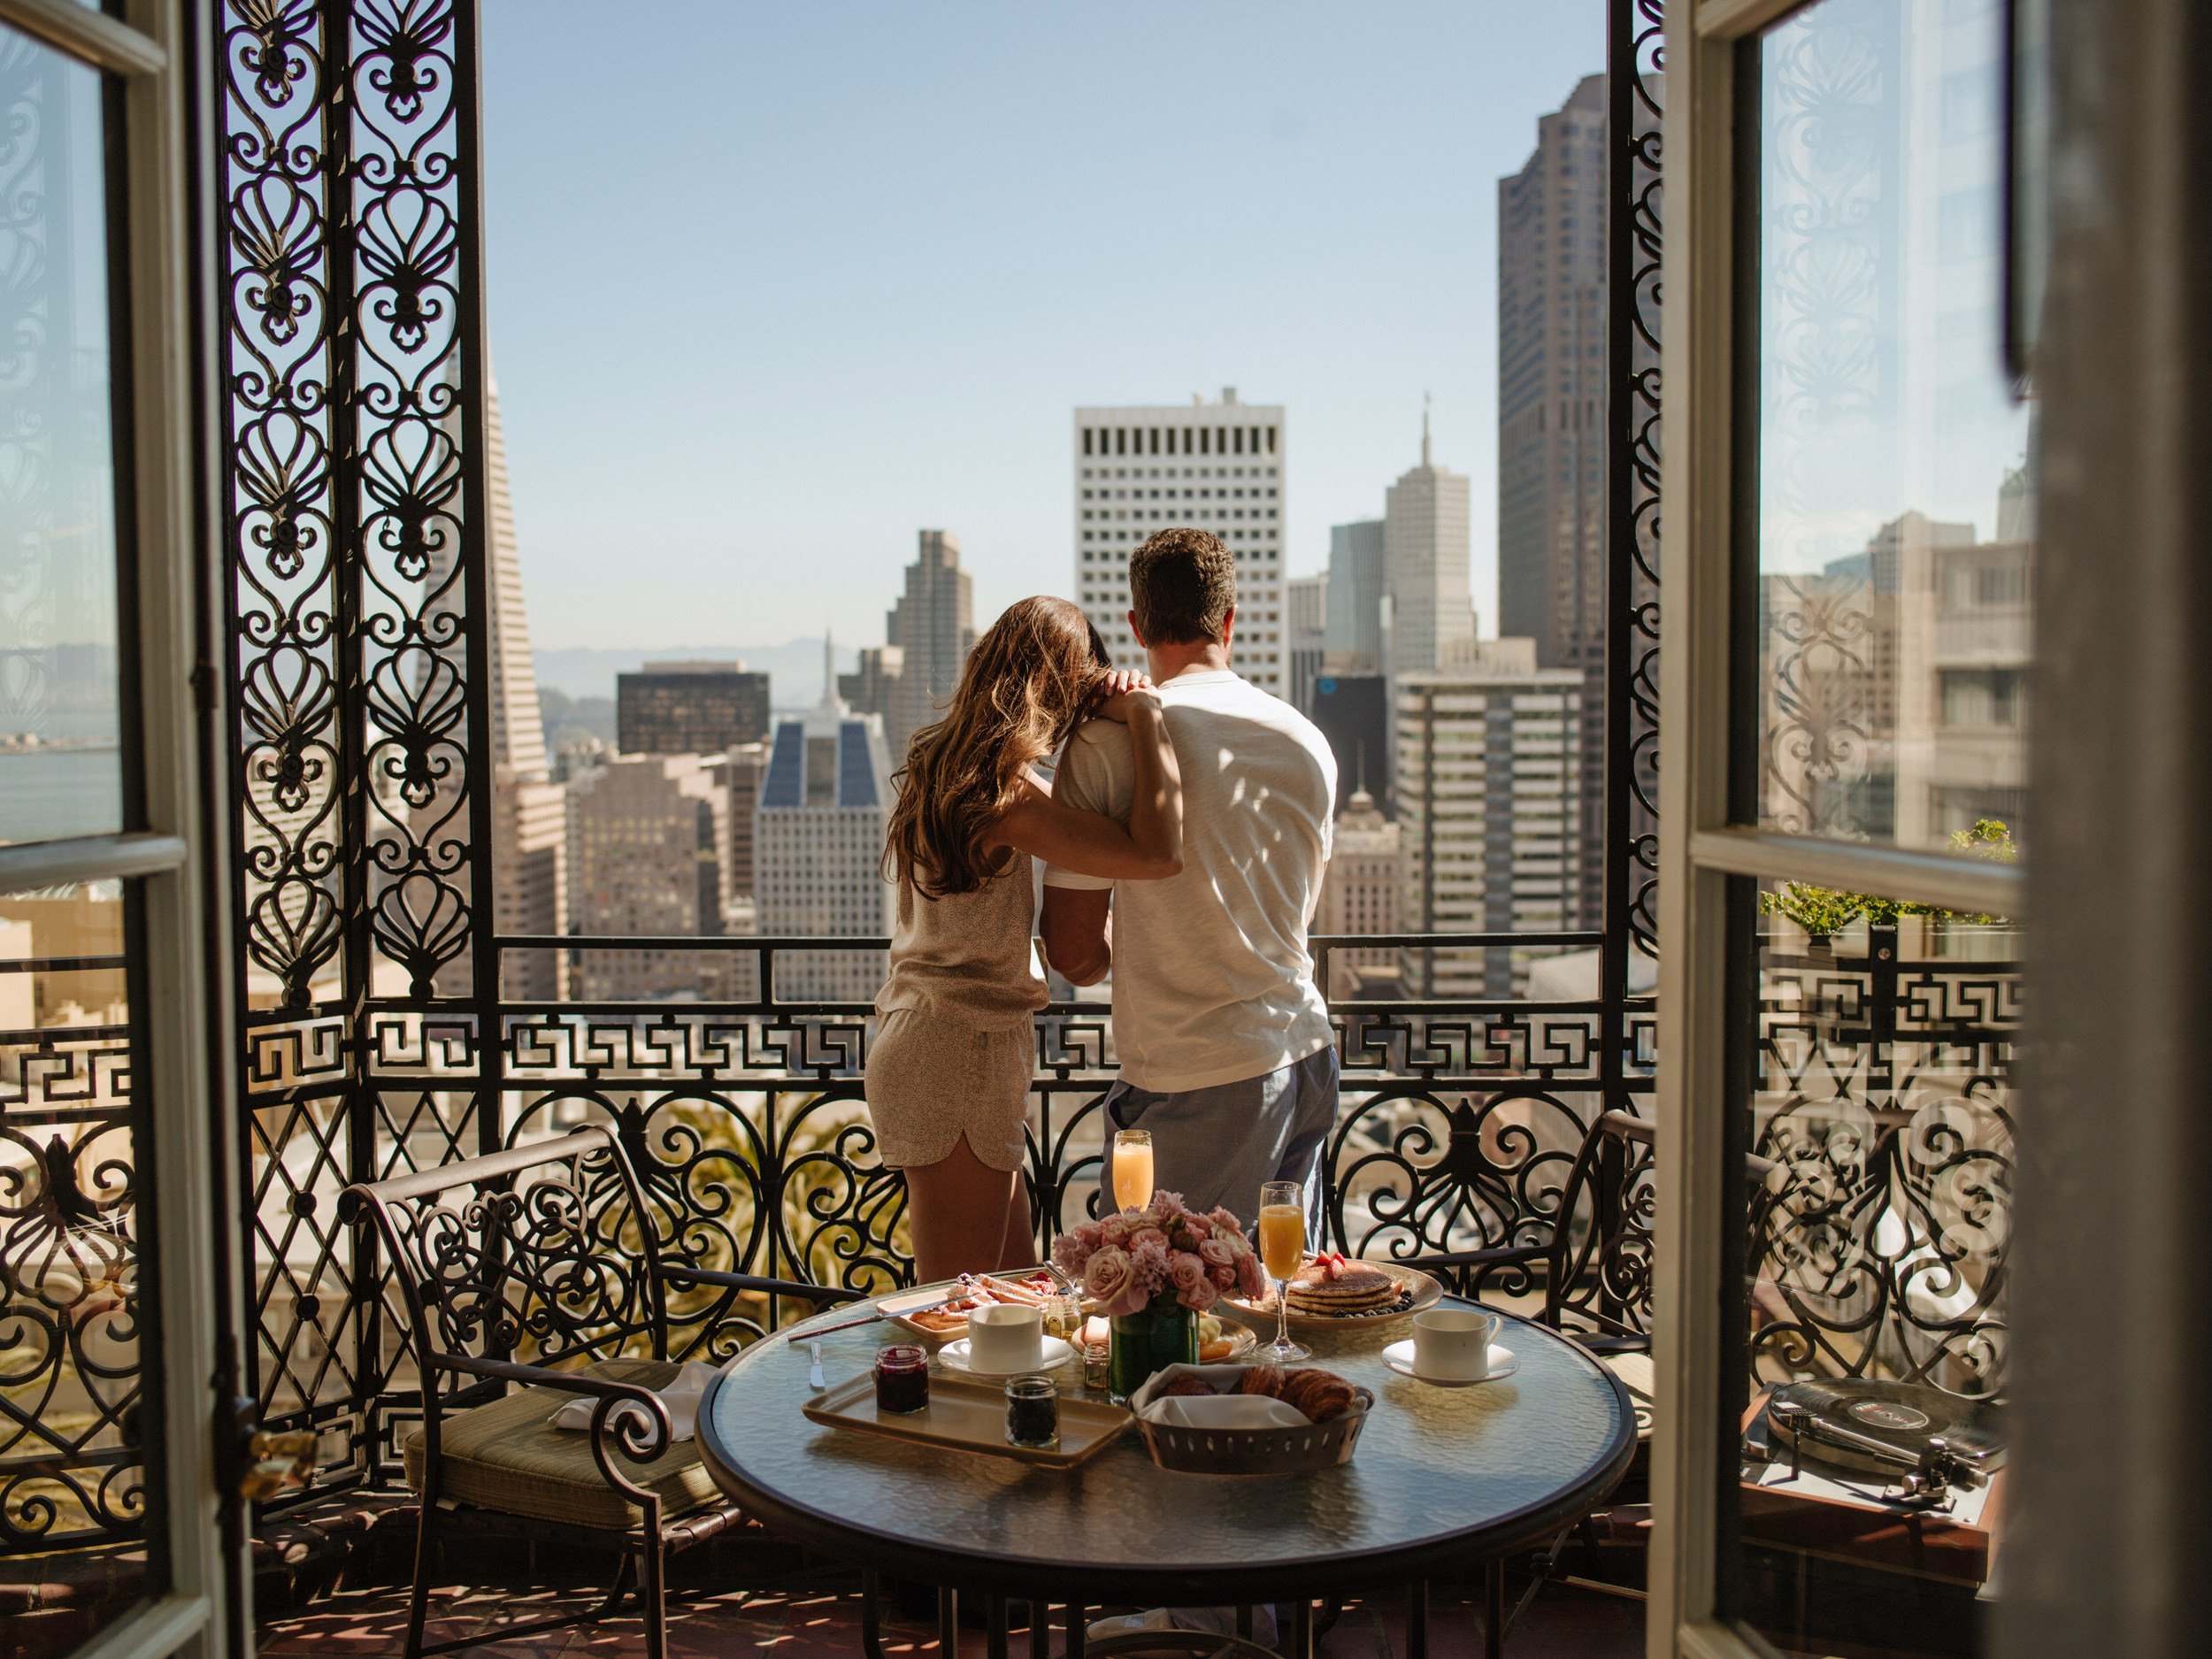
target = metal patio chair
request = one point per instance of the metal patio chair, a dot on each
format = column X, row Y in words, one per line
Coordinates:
column 548, row 1250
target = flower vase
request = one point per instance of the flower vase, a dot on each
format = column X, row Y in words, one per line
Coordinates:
column 1162, row 1333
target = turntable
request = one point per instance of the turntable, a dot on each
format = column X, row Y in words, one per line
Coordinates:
column 1890, row 1474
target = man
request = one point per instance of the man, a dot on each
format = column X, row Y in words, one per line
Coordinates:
column 1226, row 1053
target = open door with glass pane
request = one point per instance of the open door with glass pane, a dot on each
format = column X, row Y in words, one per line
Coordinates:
column 112, row 1523
column 1851, row 488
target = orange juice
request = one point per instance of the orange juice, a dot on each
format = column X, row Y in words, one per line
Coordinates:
column 1282, row 1239
column 1132, row 1174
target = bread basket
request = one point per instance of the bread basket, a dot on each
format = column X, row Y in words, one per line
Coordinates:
column 1285, row 1451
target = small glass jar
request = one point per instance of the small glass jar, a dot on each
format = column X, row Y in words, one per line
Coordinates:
column 901, row 1380
column 1098, row 1359
column 1032, row 1411
column 1063, row 1317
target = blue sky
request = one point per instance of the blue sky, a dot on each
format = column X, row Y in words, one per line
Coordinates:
column 772, row 285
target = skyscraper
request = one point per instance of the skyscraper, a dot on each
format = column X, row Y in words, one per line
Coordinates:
column 870, row 688
column 933, row 628
column 689, row 709
column 1361, row 893
column 1425, row 556
column 648, row 844
column 1305, row 635
column 1551, row 426
column 1358, row 579
column 529, row 833
column 1487, row 793
column 817, row 840
column 1219, row 466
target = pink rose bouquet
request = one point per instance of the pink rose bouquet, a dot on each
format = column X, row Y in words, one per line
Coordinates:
column 1126, row 1261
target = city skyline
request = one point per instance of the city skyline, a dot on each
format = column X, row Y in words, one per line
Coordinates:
column 707, row 444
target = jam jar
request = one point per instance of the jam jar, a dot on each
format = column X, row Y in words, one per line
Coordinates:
column 901, row 1380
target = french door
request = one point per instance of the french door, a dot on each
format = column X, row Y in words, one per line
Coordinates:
column 113, row 1285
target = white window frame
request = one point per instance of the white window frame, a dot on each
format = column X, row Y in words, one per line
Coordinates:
column 170, row 857
column 1701, row 850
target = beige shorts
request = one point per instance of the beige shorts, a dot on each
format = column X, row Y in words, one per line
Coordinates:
column 929, row 1081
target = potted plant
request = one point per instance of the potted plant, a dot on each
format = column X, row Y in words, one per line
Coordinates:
column 1152, row 1272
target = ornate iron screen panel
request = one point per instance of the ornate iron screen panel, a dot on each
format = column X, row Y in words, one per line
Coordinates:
column 351, row 434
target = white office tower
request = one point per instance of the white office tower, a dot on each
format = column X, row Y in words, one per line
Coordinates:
column 817, row 849
column 1426, row 556
column 1219, row 466
column 1305, row 636
column 529, row 810
column 648, row 839
column 1487, row 792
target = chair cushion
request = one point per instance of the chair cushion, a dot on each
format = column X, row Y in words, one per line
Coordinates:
column 1635, row 1373
column 505, row 1456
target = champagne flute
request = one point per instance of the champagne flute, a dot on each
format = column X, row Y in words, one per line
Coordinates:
column 1283, row 1252
column 1132, row 1168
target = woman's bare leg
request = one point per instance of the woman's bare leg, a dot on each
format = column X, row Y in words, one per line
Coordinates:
column 956, row 1213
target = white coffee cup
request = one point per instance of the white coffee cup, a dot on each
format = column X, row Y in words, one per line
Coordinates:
column 1006, row 1337
column 1453, row 1344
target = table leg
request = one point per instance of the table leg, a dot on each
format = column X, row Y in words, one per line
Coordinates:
column 1494, row 1611
column 1244, row 1621
column 1417, row 1620
column 1300, row 1629
column 994, row 1626
column 871, row 1613
column 948, row 1624
column 1078, row 1628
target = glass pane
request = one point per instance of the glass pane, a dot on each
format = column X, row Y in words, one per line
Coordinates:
column 60, row 762
column 73, row 1350
column 1895, row 495
column 1877, row 1216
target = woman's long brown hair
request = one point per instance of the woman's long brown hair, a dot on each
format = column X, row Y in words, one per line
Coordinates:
column 1035, row 673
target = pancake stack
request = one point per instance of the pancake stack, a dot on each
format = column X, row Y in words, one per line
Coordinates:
column 1336, row 1288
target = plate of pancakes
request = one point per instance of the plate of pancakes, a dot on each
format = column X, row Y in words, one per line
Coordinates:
column 1335, row 1293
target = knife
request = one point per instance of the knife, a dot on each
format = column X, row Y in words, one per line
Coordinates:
column 815, row 1377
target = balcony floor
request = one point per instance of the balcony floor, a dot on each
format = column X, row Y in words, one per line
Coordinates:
column 824, row 1622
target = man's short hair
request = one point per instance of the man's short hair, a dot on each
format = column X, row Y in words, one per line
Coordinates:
column 1182, row 583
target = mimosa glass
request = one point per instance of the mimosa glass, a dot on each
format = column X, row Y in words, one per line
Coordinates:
column 1282, row 1253
column 1132, row 1168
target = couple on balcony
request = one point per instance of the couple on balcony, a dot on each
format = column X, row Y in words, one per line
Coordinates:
column 1183, row 834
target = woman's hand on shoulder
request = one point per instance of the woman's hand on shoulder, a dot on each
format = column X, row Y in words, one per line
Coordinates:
column 1126, row 689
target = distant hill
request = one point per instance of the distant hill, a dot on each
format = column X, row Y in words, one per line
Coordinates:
column 794, row 669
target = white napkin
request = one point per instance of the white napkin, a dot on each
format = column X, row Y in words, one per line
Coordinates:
column 1224, row 1411
column 682, row 1397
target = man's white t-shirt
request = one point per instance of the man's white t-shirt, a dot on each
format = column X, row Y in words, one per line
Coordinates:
column 1213, row 982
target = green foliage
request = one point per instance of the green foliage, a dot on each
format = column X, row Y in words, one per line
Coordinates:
column 1824, row 912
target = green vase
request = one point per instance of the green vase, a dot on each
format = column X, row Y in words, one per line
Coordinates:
column 1163, row 1334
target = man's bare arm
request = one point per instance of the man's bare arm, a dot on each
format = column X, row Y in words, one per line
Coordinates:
column 1078, row 929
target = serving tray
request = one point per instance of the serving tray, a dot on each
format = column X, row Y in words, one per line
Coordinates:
column 963, row 1416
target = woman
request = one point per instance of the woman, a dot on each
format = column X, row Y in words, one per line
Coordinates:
column 947, row 1080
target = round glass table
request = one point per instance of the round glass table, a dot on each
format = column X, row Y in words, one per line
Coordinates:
column 1442, row 1479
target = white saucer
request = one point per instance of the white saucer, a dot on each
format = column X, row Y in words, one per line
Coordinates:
column 955, row 1355
column 1399, row 1357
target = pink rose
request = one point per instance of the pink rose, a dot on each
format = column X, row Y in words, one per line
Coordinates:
column 1250, row 1279
column 1185, row 1271
column 1143, row 1236
column 1114, row 1232
column 1108, row 1277
column 1219, row 1252
column 1201, row 1296
column 1223, row 1278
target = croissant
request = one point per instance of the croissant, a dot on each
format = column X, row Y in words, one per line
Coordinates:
column 1187, row 1384
column 1261, row 1379
column 1321, row 1395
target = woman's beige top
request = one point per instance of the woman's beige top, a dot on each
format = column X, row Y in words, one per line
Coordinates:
column 969, row 958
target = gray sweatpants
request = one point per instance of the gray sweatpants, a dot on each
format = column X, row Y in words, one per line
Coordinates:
column 1220, row 1145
